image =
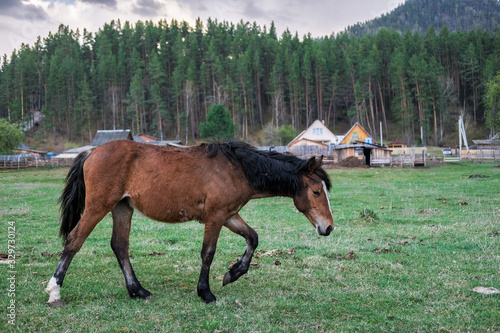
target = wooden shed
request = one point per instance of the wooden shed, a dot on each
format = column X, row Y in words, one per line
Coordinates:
column 493, row 143
column 24, row 149
column 372, row 155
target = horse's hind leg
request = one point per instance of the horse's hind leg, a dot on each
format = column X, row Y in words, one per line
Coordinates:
column 73, row 244
column 238, row 226
column 122, row 216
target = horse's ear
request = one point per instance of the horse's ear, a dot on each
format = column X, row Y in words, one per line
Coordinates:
column 311, row 165
column 320, row 161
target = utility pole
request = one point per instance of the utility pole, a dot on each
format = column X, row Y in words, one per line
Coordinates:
column 462, row 135
column 381, row 137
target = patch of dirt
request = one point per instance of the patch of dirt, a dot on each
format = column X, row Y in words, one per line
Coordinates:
column 351, row 162
column 349, row 256
column 154, row 253
column 478, row 176
column 386, row 250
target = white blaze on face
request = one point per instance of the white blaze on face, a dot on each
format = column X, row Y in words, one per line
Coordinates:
column 326, row 193
column 322, row 222
column 53, row 289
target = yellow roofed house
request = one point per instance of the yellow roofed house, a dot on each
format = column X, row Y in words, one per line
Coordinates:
column 356, row 134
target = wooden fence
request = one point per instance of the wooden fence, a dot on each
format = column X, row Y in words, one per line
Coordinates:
column 25, row 160
column 481, row 154
column 474, row 155
column 408, row 150
column 306, row 151
column 414, row 156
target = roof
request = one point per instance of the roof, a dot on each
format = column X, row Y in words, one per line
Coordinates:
column 360, row 144
column 493, row 141
column 110, row 135
column 148, row 138
column 78, row 150
column 317, row 132
column 489, row 142
column 175, row 143
column 66, row 155
column 358, row 129
column 312, row 142
column 22, row 147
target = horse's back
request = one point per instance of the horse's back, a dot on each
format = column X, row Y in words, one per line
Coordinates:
column 165, row 183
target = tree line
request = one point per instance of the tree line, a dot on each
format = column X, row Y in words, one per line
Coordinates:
column 162, row 78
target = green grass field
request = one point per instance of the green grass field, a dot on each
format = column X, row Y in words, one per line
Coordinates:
column 408, row 248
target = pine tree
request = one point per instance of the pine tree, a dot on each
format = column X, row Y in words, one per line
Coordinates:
column 219, row 124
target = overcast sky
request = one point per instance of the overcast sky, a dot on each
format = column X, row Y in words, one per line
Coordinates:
column 22, row 21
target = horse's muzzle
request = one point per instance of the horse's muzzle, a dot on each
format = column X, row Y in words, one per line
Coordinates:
column 325, row 232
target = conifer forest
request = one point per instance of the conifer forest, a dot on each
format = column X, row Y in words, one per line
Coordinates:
column 161, row 79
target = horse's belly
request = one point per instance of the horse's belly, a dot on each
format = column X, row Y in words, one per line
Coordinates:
column 169, row 210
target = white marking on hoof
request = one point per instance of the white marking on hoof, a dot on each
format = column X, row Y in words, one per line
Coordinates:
column 53, row 289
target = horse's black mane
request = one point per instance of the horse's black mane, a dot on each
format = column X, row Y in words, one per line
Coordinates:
column 267, row 171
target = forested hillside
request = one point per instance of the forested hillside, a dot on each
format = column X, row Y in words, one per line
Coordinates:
column 419, row 15
column 161, row 78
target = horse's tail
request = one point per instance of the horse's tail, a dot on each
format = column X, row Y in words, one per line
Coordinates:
column 72, row 199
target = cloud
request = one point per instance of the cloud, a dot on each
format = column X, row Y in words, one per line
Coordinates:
column 147, row 8
column 253, row 12
column 108, row 3
column 21, row 10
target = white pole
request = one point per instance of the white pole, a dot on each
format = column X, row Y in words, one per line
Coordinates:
column 381, row 137
column 460, row 137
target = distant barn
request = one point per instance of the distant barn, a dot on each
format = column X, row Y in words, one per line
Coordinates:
column 105, row 136
column 101, row 138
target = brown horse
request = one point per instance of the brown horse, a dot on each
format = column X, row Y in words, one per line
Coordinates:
column 208, row 183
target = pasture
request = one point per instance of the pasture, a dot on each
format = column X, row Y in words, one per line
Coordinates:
column 408, row 248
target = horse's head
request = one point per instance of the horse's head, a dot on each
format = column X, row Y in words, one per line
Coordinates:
column 312, row 200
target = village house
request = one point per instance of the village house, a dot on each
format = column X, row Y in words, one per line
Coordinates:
column 315, row 140
column 357, row 142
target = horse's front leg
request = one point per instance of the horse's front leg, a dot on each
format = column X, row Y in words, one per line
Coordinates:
column 210, row 237
column 238, row 226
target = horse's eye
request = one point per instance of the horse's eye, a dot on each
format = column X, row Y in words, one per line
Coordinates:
column 316, row 193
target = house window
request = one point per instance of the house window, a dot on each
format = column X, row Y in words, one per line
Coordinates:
column 317, row 131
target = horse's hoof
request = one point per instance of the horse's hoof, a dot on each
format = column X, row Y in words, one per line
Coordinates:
column 140, row 293
column 207, row 297
column 227, row 279
column 56, row 304
column 210, row 300
column 150, row 297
